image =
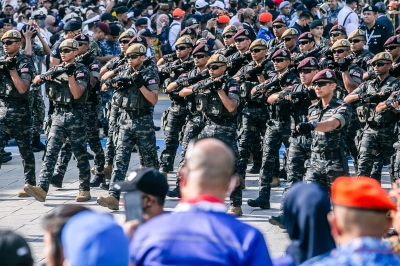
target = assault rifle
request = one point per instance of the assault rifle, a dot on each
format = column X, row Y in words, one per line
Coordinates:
column 192, row 80
column 83, row 59
column 239, row 61
column 255, row 71
column 55, row 72
column 272, row 85
column 170, row 57
column 314, row 52
column 186, row 66
column 376, row 98
column 208, row 84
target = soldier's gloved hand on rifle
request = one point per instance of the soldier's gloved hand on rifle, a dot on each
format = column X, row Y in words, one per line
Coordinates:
column 368, row 98
column 70, row 69
column 344, row 64
column 11, row 63
column 284, row 95
column 218, row 82
column 305, row 128
column 138, row 80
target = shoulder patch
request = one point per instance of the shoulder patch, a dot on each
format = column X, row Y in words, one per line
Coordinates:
column 80, row 74
column 152, row 81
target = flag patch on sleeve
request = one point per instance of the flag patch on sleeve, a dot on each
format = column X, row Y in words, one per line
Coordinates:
column 152, row 81
column 80, row 74
column 233, row 88
column 25, row 69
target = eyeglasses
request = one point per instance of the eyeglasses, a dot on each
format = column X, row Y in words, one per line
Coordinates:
column 9, row 42
column 304, row 42
column 241, row 39
column 277, row 26
column 322, row 83
column 338, row 51
column 199, row 56
column 306, row 71
column 65, row 51
column 124, row 41
column 278, row 60
column 391, row 47
column 228, row 36
column 256, row 51
column 181, row 48
column 132, row 56
column 287, row 39
column 8, row 9
column 335, row 34
column 81, row 43
column 355, row 40
column 379, row 64
column 214, row 67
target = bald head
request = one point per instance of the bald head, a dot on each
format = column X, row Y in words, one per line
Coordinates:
column 248, row 12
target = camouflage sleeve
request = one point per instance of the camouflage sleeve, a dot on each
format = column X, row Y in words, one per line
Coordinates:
column 361, row 88
column 241, row 71
column 150, row 80
column 37, row 50
column 356, row 74
column 110, row 65
column 25, row 69
column 233, row 90
column 82, row 76
column 343, row 114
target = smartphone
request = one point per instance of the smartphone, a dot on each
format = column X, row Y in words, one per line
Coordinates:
column 204, row 34
column 133, row 206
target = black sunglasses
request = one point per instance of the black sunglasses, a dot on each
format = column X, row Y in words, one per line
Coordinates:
column 199, row 56
column 304, row 42
column 125, row 41
column 335, row 34
column 322, row 83
column 8, row 42
column 228, row 36
column 355, row 40
column 278, row 60
column 214, row 67
column 338, row 51
column 8, row 9
column 181, row 48
column 287, row 39
column 65, row 51
column 306, row 71
column 132, row 56
column 277, row 26
column 257, row 50
column 391, row 47
column 240, row 39
column 379, row 64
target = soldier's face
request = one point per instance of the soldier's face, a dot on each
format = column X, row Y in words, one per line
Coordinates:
column 278, row 29
column 324, row 88
column 228, row 38
column 200, row 59
column 357, row 43
column 336, row 35
column 83, row 47
column 394, row 50
column 242, row 43
column 317, row 31
column 258, row 53
column 381, row 67
column 134, row 62
column 281, row 63
column 7, row 27
column 12, row 47
column 123, row 44
column 369, row 17
column 67, row 54
column 290, row 42
column 286, row 10
column 214, row 73
column 183, row 51
column 305, row 45
column 340, row 52
column 307, row 74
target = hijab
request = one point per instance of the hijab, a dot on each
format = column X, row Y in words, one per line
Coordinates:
column 305, row 210
column 162, row 20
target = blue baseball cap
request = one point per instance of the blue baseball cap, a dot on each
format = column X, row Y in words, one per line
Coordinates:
column 301, row 7
column 94, row 239
column 283, row 4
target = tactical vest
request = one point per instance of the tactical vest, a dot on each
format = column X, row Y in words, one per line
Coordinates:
column 59, row 92
column 7, row 88
column 211, row 105
column 130, row 99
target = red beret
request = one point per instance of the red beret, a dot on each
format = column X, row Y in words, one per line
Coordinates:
column 278, row 2
column 309, row 62
column 279, row 20
column 393, row 40
column 325, row 74
column 242, row 32
column 188, row 31
column 281, row 53
column 265, row 17
column 363, row 192
column 338, row 28
column 82, row 38
column 104, row 27
column 138, row 39
column 223, row 19
column 306, row 36
column 202, row 48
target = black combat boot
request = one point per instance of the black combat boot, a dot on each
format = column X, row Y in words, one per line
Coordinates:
column 262, row 201
column 176, row 192
column 105, row 186
column 37, row 144
column 7, row 153
column 277, row 220
column 56, row 181
column 97, row 181
column 6, row 159
column 255, row 169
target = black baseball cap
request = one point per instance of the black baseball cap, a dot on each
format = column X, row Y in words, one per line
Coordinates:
column 147, row 180
column 14, row 250
column 107, row 16
column 146, row 33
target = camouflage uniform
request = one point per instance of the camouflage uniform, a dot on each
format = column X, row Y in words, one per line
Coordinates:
column 362, row 58
column 121, row 26
column 2, row 53
column 95, row 46
column 15, row 114
column 378, row 136
column 68, row 121
column 92, row 129
column 328, row 156
column 394, row 170
column 136, row 126
column 236, row 66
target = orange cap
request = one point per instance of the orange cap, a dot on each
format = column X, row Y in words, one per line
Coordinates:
column 265, row 17
column 223, row 19
column 363, row 192
column 393, row 4
column 178, row 13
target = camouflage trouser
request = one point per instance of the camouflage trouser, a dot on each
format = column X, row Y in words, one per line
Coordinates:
column 36, row 104
column 194, row 125
column 113, row 129
column 276, row 134
column 298, row 152
column 174, row 120
column 105, row 98
column 376, row 143
column 92, row 129
column 324, row 168
column 66, row 123
column 395, row 164
column 225, row 130
column 254, row 124
column 133, row 129
column 15, row 119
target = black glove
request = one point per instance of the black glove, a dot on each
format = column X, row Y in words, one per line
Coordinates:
column 70, row 69
column 305, row 128
column 138, row 80
column 343, row 64
column 283, row 94
column 218, row 84
column 11, row 63
column 363, row 97
column 376, row 98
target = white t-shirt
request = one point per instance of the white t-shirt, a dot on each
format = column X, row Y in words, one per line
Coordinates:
column 351, row 23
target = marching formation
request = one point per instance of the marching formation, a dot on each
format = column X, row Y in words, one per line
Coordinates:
column 324, row 100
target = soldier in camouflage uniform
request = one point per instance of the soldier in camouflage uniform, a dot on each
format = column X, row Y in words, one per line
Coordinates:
column 16, row 74
column 242, row 57
column 195, row 120
column 357, row 44
column 91, row 117
column 278, row 127
column 229, row 41
column 279, row 26
column 378, row 138
column 317, row 29
column 122, row 17
column 327, row 118
column 392, row 46
column 68, row 91
column 136, row 92
column 289, row 38
column 174, row 117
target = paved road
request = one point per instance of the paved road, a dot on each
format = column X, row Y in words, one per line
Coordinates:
column 24, row 215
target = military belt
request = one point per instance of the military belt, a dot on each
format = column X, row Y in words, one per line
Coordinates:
column 137, row 112
column 376, row 125
column 11, row 102
column 218, row 120
column 326, row 155
column 68, row 106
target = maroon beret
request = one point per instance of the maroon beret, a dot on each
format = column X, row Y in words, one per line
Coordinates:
column 393, row 40
column 281, row 53
column 81, row 38
column 279, row 20
column 104, row 27
column 397, row 29
column 326, row 74
column 242, row 32
column 188, row 31
column 306, row 36
column 138, row 39
column 308, row 62
column 338, row 28
column 204, row 48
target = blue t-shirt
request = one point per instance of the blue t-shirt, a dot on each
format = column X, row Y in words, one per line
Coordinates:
column 265, row 33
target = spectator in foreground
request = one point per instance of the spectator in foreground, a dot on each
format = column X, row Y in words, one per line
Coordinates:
column 306, row 207
column 394, row 240
column 358, row 222
column 200, row 232
column 14, row 251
